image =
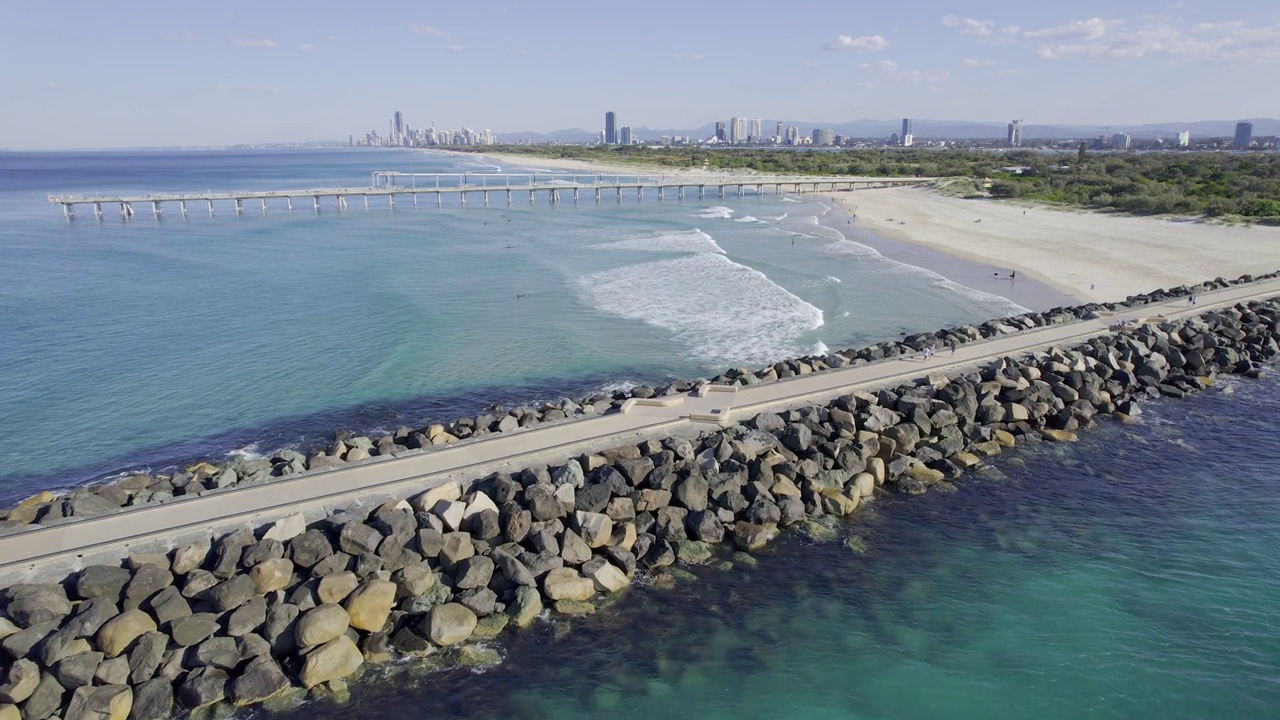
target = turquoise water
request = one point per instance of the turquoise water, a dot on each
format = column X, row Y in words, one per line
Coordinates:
column 141, row 344
column 1131, row 575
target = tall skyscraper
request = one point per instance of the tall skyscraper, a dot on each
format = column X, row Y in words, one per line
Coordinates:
column 720, row 131
column 397, row 131
column 610, row 129
column 793, row 135
column 780, row 135
column 1015, row 133
column 625, row 135
column 1184, row 138
column 737, row 130
column 1121, row 141
column 822, row 137
column 1244, row 136
column 754, row 135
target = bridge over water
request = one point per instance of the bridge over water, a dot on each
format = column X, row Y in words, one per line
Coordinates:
column 415, row 186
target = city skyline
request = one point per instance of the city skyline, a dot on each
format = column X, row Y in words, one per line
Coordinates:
column 165, row 75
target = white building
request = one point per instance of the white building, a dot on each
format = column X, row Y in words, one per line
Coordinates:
column 1184, row 138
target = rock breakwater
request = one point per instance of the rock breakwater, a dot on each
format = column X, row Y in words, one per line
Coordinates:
column 268, row 614
column 205, row 476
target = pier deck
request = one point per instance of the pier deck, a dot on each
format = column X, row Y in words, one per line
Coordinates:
column 46, row 551
column 426, row 185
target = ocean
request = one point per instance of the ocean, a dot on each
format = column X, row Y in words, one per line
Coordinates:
column 1130, row 575
column 137, row 345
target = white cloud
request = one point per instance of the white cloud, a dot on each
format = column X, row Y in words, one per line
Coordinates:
column 426, row 30
column 866, row 43
column 989, row 30
column 884, row 66
column 1232, row 41
column 306, row 47
column 252, row 40
column 810, row 63
column 979, row 62
column 1090, row 29
column 453, row 48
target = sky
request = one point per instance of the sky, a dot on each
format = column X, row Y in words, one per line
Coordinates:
column 83, row 74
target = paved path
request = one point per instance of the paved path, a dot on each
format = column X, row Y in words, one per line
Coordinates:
column 61, row 548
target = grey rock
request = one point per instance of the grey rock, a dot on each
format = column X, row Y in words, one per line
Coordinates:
column 33, row 604
column 152, row 700
column 144, row 658
column 167, row 605
column 47, row 699
column 232, row 593
column 513, row 570
column 101, row 581
column 197, row 582
column 260, row 680
column 248, row 617
column 228, row 550
column 147, row 581
column 692, row 493
column 309, row 548
column 193, row 629
column 473, row 572
column 279, row 628
column 481, row 601
column 202, row 687
column 358, row 538
column 76, row 670
column 261, row 551
column 23, row 643
column 218, row 652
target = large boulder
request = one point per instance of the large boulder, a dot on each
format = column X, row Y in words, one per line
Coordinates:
column 271, row 575
column 474, row 572
column 604, row 576
column 101, row 581
column 262, row 678
column 47, row 699
column 117, row 634
column 595, row 528
column 110, row 702
column 526, row 606
column 153, row 700
column 20, row 681
column 334, row 660
column 192, row 629
column 203, row 687
column 370, row 605
column 320, row 625
column 34, row 604
column 450, row 624
column 566, row 584
column 232, row 593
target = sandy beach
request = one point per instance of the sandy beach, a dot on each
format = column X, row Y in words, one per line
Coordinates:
column 1087, row 255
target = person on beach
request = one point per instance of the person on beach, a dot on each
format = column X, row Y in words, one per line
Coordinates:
column 952, row 343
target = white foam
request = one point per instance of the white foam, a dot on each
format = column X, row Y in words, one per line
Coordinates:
column 783, row 216
column 613, row 387
column 248, row 452
column 747, row 219
column 719, row 212
column 849, row 247
column 694, row 240
column 725, row 313
column 784, row 198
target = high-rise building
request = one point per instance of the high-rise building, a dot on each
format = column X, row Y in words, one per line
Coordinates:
column 720, row 131
column 780, row 135
column 610, row 129
column 397, row 129
column 1015, row 133
column 822, row 136
column 754, row 136
column 1184, row 138
column 906, row 136
column 737, row 130
column 1244, row 136
column 625, row 135
column 793, row 135
column 1121, row 141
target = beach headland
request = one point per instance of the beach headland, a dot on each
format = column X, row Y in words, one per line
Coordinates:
column 282, row 607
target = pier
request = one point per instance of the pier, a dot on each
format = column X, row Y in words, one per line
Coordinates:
column 415, row 187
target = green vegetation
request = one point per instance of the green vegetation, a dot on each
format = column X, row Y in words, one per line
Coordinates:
column 1211, row 184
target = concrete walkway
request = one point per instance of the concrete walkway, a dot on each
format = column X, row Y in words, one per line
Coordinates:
column 59, row 549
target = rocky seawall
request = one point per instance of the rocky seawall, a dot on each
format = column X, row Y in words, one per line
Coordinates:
column 203, row 476
column 269, row 614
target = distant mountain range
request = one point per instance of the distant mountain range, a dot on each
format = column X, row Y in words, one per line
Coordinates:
column 932, row 129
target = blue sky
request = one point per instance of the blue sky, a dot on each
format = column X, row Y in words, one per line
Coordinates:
column 94, row 74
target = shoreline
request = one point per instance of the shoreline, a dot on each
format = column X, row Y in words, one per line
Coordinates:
column 975, row 273
column 1086, row 255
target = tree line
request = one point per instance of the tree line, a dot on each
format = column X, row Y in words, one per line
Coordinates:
column 1185, row 183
